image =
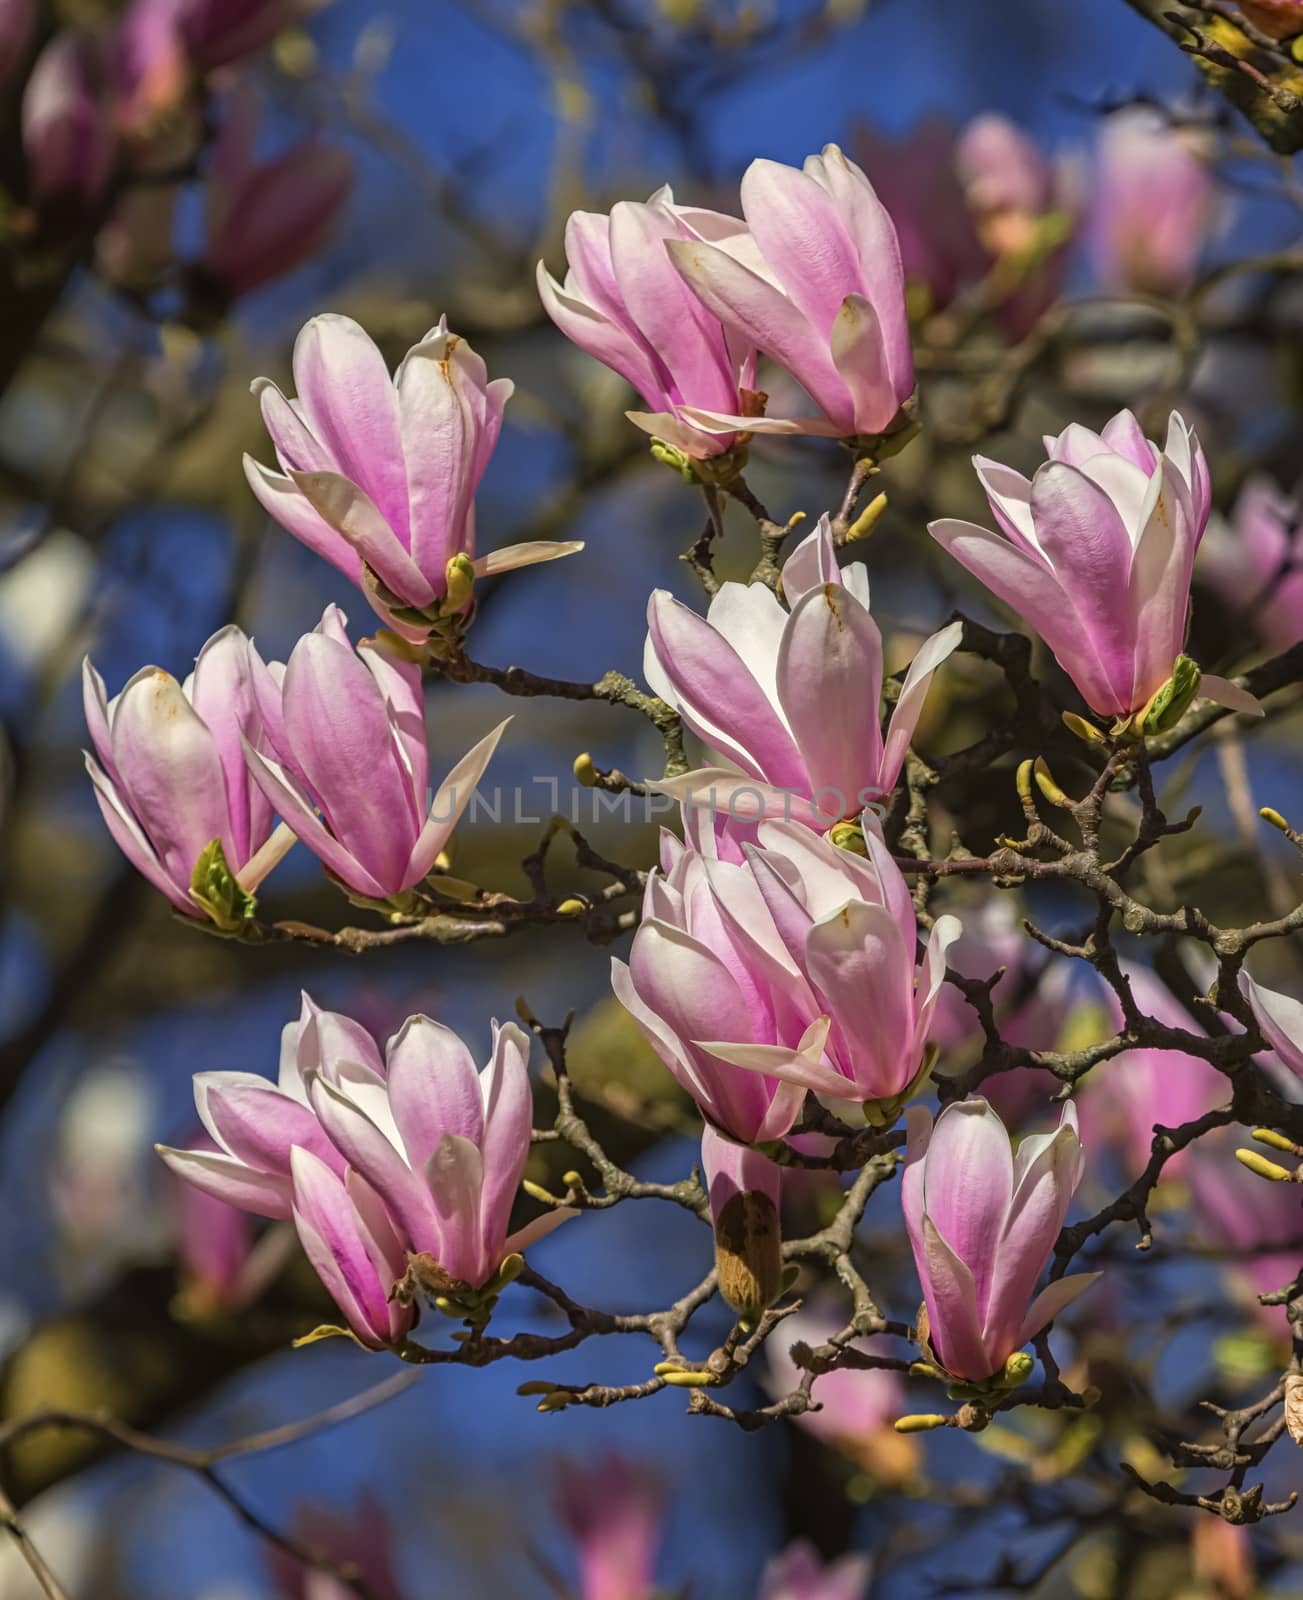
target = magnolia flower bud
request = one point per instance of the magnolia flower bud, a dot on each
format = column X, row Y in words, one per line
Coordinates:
column 744, row 1189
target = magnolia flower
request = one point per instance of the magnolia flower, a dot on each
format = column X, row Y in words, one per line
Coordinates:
column 1282, row 19
column 613, row 1512
column 624, row 303
column 265, row 218
column 346, row 762
column 799, row 1574
column 858, row 1405
column 981, row 1225
column 817, row 284
column 1255, row 563
column 1280, row 1020
column 1096, row 553
column 1153, row 204
column 361, row 1537
column 379, row 476
column 151, row 79
column 796, row 966
column 789, row 699
column 67, row 123
column 171, row 776
column 1125, row 1098
column 376, row 1161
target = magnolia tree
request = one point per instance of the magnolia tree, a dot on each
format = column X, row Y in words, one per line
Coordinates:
column 962, row 1003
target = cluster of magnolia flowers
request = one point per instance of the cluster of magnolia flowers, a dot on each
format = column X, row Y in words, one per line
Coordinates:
column 117, row 115
column 777, row 954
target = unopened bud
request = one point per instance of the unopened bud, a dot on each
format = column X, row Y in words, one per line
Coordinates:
column 213, row 887
column 1264, row 1168
column 1169, row 704
column 748, row 1253
column 571, row 907
column 536, row 1191
column 1271, row 815
column 1277, row 1141
column 921, row 1422
column 460, row 578
column 584, row 770
column 1046, row 784
column 679, row 1378
column 1294, row 1406
column 867, row 520
column 1023, row 781
column 848, row 836
column 1017, row 1369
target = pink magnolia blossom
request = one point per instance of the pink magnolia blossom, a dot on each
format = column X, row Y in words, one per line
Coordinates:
column 265, row 218
column 169, row 769
column 1096, row 553
column 1282, row 19
column 17, row 27
column 745, row 1190
column 624, row 303
column 376, row 1160
column 817, row 284
column 981, row 1225
column 1153, row 204
column 67, row 123
column 361, row 1537
column 858, row 1406
column 613, row 1511
column 1125, row 1098
column 378, row 475
column 1255, row 563
column 800, row 1574
column 151, row 75
column 789, row 700
column 796, row 966
column 345, row 761
column 1280, row 1020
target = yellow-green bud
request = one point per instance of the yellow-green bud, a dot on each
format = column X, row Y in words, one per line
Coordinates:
column 460, row 578
column 584, row 770
column 921, row 1422
column 1083, row 729
column 867, row 520
column 848, row 836
column 1264, row 1168
column 1277, row 1141
column 213, row 886
column 1168, row 705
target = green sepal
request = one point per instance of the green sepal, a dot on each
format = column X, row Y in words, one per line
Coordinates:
column 328, row 1330
column 214, row 888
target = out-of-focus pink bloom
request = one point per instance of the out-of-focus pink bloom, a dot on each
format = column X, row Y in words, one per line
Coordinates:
column 1282, row 19
column 67, row 123
column 151, row 73
column 376, row 1161
column 1258, row 1223
column 613, row 1511
column 222, row 1267
column 817, row 284
column 361, row 1537
column 981, row 1225
column 171, row 776
column 799, row 1574
column 1096, row 553
column 1153, row 204
column 1125, row 1098
column 345, row 761
column 789, row 700
column 796, row 967
column 859, row 1405
column 218, row 32
column 624, row 303
column 1256, row 563
column 1221, row 1553
column 265, row 218
column 963, row 203
column 378, row 475
column 17, row 25
column 917, row 179
column 1280, row 1019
